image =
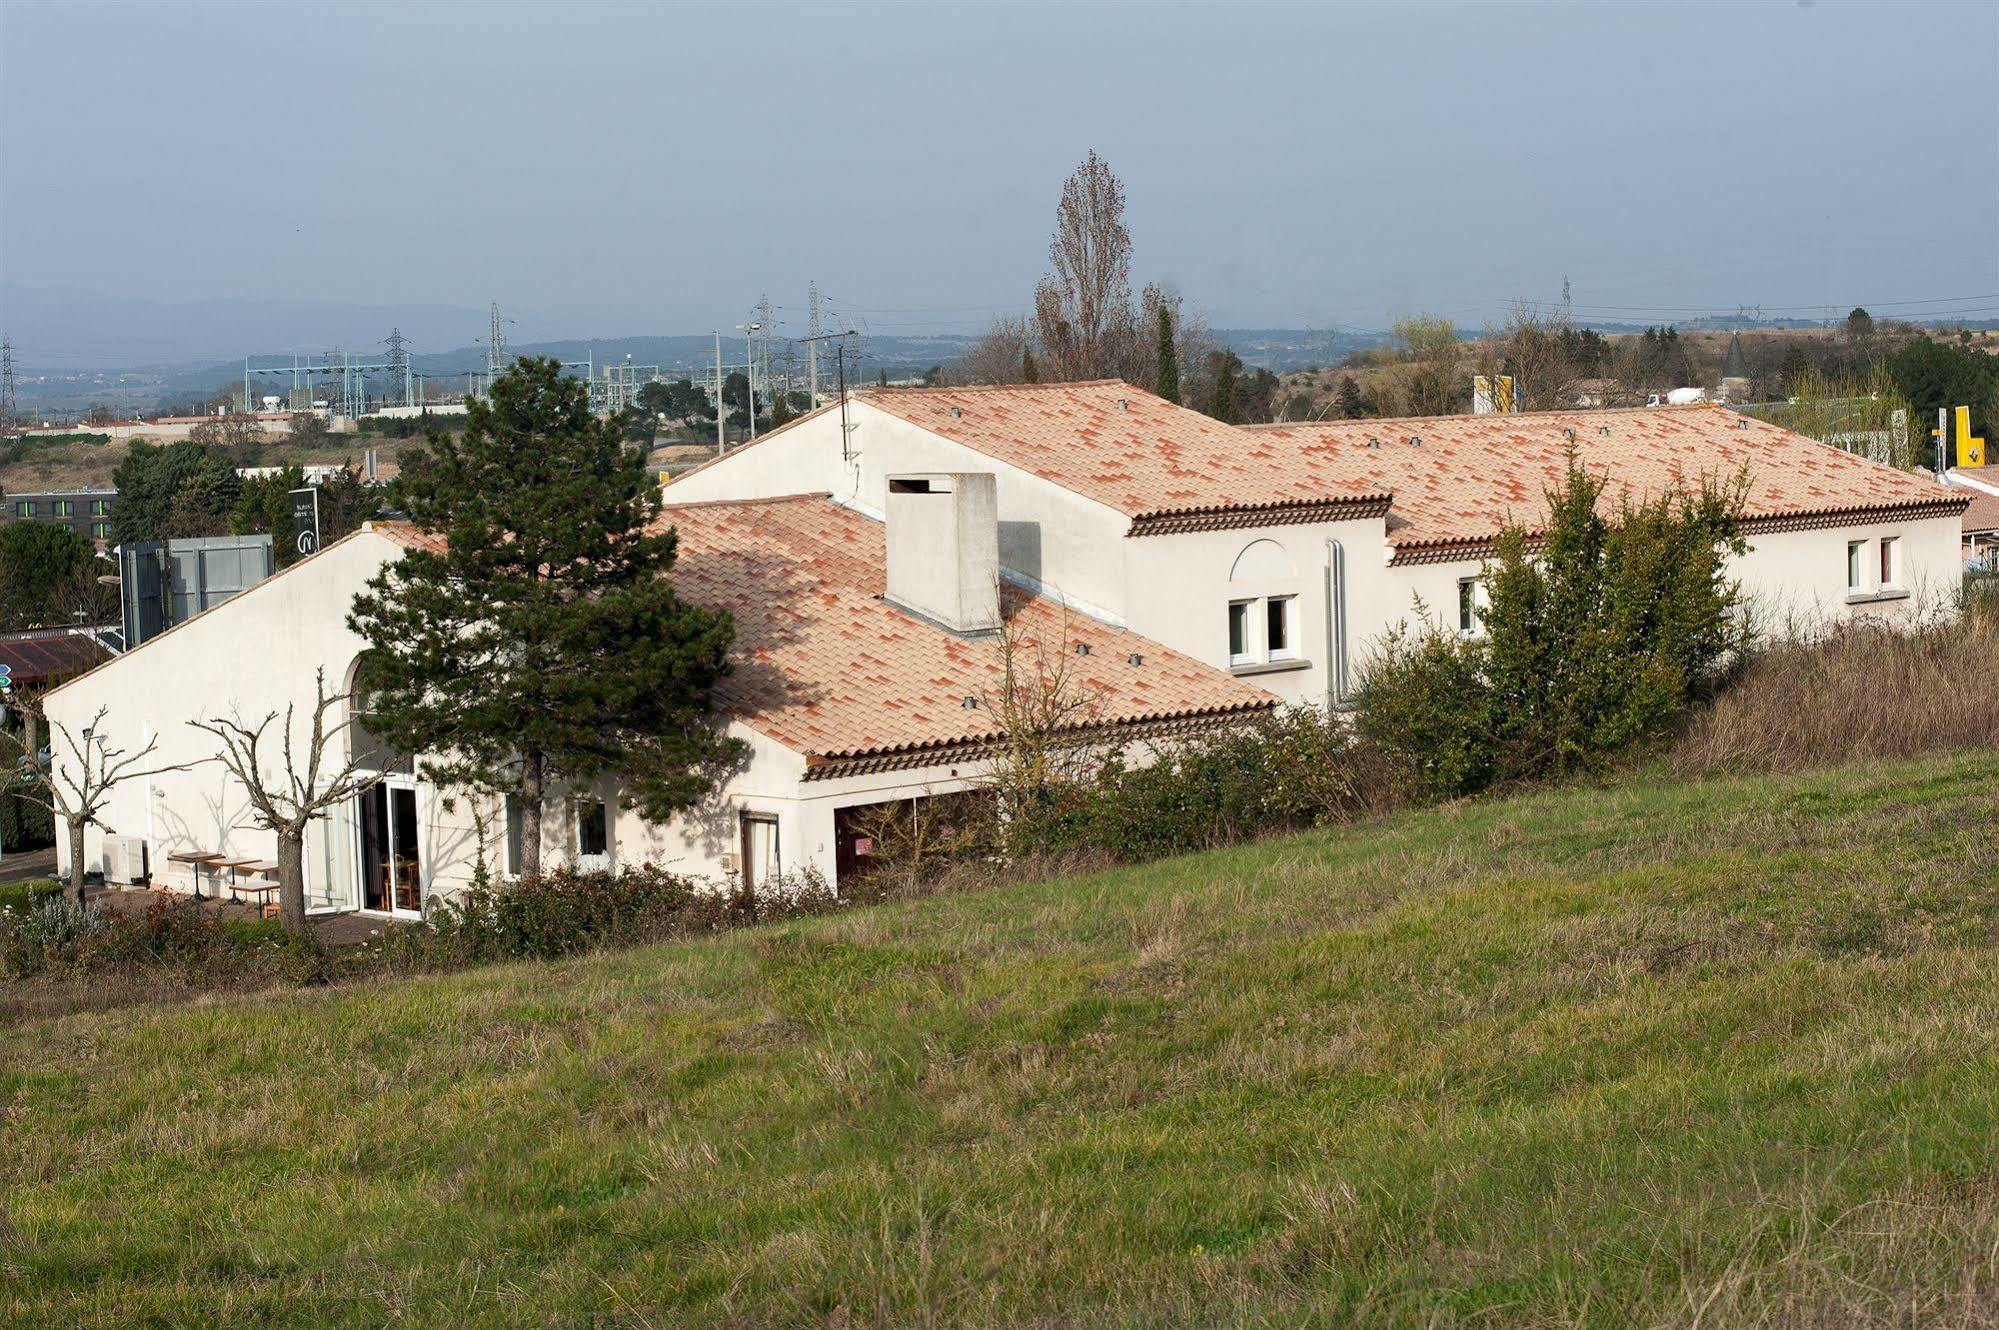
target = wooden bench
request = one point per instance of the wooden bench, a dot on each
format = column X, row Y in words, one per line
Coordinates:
column 263, row 890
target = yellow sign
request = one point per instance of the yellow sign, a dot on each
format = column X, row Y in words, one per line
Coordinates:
column 1970, row 450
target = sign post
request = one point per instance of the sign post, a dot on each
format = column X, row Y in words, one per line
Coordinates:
column 305, row 520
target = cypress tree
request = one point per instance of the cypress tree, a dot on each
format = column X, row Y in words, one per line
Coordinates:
column 1029, row 371
column 544, row 641
column 1168, row 357
column 1222, row 403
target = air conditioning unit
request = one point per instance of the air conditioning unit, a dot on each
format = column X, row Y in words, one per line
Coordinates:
column 124, row 860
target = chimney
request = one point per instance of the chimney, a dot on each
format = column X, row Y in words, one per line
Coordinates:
column 943, row 548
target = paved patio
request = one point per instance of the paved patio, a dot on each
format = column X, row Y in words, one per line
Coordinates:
column 335, row 930
column 27, row 865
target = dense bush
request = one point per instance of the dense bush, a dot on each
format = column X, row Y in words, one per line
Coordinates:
column 1296, row 769
column 565, row 911
column 1600, row 634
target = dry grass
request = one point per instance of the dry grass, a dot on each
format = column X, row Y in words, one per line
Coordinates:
column 1856, row 693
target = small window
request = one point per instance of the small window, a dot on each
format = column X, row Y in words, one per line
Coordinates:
column 1856, row 565
column 100, row 507
column 1277, row 642
column 1239, row 648
column 513, row 861
column 100, row 531
column 25, row 508
column 1467, row 604
column 1891, row 561
column 65, row 508
column 592, row 830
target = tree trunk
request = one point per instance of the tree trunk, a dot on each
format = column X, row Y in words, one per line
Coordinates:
column 31, row 734
column 530, row 814
column 75, row 859
column 291, row 881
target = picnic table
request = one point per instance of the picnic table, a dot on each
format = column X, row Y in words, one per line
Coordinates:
column 196, row 860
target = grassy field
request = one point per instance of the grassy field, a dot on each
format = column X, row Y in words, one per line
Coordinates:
column 1712, row 1053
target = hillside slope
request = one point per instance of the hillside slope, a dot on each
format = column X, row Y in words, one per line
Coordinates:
column 1712, row 1053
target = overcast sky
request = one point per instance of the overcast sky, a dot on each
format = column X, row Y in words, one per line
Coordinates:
column 602, row 169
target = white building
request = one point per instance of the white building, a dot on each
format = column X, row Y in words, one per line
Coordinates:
column 1192, row 572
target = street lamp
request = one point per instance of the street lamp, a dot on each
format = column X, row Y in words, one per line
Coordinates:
column 749, row 330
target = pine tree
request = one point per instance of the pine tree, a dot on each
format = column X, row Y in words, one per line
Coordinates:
column 1348, row 397
column 1168, row 357
column 544, row 641
column 1222, row 403
column 1029, row 371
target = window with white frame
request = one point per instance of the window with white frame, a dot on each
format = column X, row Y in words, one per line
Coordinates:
column 1240, row 652
column 513, row 858
column 1263, row 630
column 1856, row 565
column 1280, row 637
column 1468, row 604
column 1891, row 561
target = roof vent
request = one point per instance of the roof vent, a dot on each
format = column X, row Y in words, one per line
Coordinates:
column 1415, row 441
column 1604, row 430
column 1082, row 648
column 956, row 412
column 1134, row 659
column 1569, row 434
column 1123, row 404
column 969, row 704
column 1373, row 442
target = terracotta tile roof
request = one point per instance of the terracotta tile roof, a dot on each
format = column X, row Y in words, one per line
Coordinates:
column 1147, row 458
column 1983, row 514
column 827, row 668
column 43, row 658
column 1471, row 475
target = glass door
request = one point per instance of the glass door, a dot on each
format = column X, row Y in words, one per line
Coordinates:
column 391, row 860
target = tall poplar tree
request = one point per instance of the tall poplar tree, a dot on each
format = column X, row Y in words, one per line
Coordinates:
column 541, row 640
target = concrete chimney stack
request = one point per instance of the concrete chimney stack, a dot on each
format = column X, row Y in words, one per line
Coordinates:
column 943, row 548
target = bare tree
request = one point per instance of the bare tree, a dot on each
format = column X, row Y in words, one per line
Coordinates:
column 1048, row 717
column 291, row 798
column 76, row 790
column 1083, row 312
column 999, row 355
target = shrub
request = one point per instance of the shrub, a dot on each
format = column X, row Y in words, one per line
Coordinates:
column 18, row 897
column 54, row 935
column 1600, row 635
column 50, row 933
column 1296, row 769
column 563, row 912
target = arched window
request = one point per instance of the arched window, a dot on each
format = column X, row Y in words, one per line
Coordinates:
column 1262, row 561
column 1263, row 621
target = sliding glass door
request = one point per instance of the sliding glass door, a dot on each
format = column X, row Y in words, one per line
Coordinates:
column 391, row 855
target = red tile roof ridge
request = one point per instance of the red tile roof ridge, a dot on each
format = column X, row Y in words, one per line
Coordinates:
column 876, row 390
column 1356, row 422
column 801, row 497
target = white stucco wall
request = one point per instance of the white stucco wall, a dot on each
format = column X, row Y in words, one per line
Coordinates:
column 1178, row 589
column 1792, row 582
column 1049, row 539
column 251, row 656
column 256, row 654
